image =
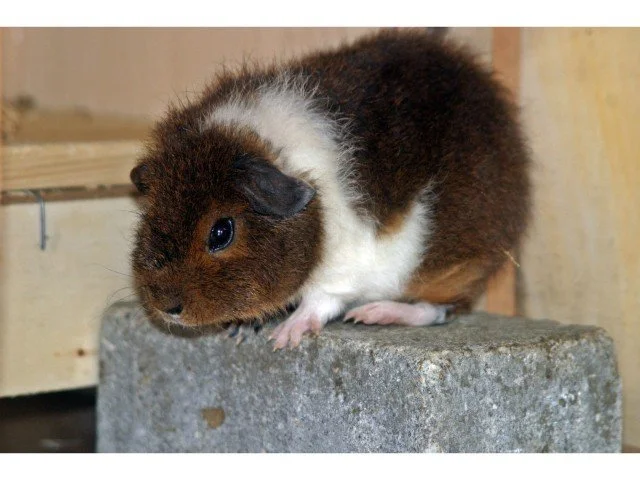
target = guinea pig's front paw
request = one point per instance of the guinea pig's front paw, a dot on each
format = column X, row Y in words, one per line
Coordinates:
column 240, row 332
column 290, row 331
column 234, row 331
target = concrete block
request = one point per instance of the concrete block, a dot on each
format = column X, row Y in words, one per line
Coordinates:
column 478, row 384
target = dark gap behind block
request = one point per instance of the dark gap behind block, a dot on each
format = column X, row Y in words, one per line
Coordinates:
column 60, row 422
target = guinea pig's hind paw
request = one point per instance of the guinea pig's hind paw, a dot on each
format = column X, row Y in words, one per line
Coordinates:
column 387, row 313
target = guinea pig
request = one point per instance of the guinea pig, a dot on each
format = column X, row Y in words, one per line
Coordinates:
column 387, row 178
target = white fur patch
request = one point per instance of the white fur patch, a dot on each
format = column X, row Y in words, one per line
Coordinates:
column 357, row 265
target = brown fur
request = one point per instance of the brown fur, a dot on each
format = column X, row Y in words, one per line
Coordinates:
column 393, row 224
column 458, row 285
column 423, row 114
column 187, row 193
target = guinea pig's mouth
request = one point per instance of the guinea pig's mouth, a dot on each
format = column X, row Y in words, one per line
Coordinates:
column 173, row 318
column 174, row 314
column 181, row 319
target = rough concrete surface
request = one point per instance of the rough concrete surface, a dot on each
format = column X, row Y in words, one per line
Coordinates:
column 479, row 384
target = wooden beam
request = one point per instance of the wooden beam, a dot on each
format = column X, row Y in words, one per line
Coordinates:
column 31, row 124
column 65, row 194
column 501, row 288
column 69, row 151
column 74, row 164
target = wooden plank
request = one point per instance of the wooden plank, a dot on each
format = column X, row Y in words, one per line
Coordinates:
column 501, row 288
column 31, row 125
column 80, row 151
column 64, row 194
column 51, row 301
column 54, row 165
column 581, row 263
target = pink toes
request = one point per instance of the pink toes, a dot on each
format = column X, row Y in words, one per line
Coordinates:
column 291, row 331
column 386, row 313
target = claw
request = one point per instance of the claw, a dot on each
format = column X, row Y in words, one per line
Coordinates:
column 233, row 330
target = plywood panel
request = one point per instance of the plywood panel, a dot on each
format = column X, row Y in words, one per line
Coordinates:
column 136, row 71
column 582, row 261
column 51, row 301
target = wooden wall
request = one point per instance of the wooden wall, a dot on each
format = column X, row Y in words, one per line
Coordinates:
column 51, row 301
column 136, row 71
column 581, row 110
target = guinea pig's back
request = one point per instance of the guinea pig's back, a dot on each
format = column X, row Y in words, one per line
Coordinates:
column 430, row 121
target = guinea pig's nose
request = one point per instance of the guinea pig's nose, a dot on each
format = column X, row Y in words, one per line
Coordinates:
column 177, row 310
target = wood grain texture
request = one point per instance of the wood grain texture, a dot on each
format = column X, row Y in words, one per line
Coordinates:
column 69, row 164
column 136, row 71
column 75, row 153
column 501, row 288
column 44, row 126
column 74, row 193
column 581, row 263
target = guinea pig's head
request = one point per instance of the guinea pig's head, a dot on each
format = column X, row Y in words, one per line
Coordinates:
column 225, row 235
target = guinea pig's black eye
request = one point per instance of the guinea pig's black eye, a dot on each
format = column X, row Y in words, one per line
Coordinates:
column 221, row 235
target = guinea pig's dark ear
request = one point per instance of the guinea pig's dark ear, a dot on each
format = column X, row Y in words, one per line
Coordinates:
column 140, row 177
column 269, row 191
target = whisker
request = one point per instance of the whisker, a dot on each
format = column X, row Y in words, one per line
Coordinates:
column 126, row 297
column 135, row 212
column 111, row 270
column 168, row 325
column 110, row 297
